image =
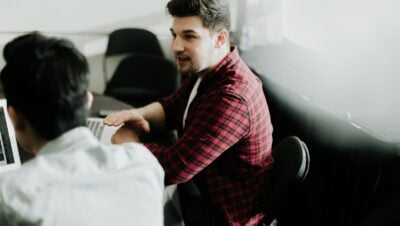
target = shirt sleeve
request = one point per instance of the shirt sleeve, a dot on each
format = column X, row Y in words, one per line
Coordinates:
column 214, row 126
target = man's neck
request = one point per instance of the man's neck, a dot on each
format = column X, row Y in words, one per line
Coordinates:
column 37, row 145
column 27, row 136
column 224, row 51
column 217, row 59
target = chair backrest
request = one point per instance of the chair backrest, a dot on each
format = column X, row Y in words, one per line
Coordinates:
column 133, row 40
column 141, row 79
column 291, row 165
column 128, row 41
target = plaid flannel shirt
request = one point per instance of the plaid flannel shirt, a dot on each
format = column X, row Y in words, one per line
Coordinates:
column 225, row 146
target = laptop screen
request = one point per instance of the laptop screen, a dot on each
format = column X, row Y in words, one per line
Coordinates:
column 9, row 156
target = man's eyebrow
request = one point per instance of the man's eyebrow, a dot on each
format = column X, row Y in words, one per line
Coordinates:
column 189, row 31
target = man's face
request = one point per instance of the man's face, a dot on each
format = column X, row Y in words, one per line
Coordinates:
column 193, row 44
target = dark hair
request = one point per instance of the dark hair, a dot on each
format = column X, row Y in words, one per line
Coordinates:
column 215, row 14
column 45, row 79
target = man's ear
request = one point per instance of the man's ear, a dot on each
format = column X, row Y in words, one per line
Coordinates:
column 89, row 99
column 16, row 118
column 222, row 38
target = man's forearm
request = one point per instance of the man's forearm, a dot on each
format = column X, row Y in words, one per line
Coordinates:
column 154, row 114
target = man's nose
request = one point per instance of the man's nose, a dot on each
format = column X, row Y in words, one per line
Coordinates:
column 177, row 45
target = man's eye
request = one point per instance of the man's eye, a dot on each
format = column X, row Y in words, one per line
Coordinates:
column 189, row 36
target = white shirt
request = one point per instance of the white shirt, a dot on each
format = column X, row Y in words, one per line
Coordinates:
column 76, row 181
column 193, row 93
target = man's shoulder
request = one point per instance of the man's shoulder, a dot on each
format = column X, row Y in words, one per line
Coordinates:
column 18, row 189
column 135, row 154
column 16, row 177
column 238, row 80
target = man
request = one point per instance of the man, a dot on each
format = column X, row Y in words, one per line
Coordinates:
column 220, row 113
column 73, row 179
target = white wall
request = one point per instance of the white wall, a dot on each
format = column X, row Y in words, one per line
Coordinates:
column 360, row 39
column 85, row 22
column 357, row 44
column 72, row 15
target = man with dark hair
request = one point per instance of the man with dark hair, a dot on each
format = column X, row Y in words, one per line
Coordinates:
column 73, row 179
column 221, row 115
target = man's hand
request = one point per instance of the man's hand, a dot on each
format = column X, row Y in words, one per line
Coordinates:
column 131, row 118
column 125, row 134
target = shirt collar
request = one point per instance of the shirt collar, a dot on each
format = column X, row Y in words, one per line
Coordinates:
column 72, row 138
column 218, row 73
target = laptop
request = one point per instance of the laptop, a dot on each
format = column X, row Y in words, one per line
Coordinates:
column 9, row 155
column 99, row 130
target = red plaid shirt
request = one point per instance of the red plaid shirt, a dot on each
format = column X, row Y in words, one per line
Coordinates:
column 226, row 143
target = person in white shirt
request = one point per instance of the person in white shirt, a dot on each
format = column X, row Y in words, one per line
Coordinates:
column 73, row 178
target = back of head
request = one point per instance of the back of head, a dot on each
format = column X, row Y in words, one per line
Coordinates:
column 45, row 79
column 215, row 14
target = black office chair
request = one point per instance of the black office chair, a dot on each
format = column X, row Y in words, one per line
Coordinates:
column 141, row 79
column 291, row 165
column 128, row 41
